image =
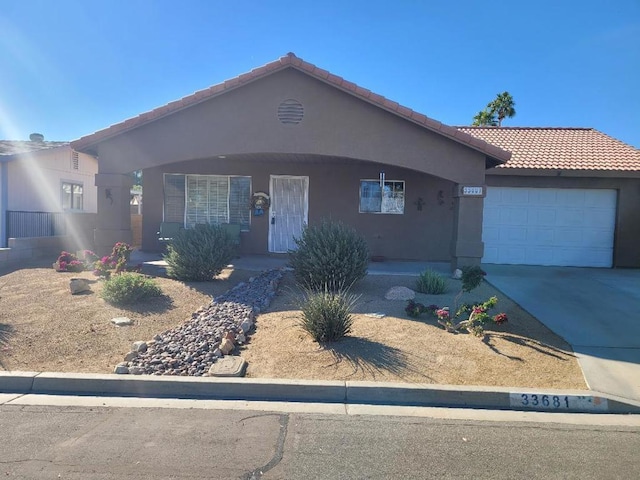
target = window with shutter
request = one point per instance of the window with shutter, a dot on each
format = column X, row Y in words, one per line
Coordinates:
column 239, row 201
column 174, row 195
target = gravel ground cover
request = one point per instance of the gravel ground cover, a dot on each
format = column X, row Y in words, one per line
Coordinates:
column 44, row 328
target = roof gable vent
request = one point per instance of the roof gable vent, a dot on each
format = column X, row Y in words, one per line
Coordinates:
column 290, row 112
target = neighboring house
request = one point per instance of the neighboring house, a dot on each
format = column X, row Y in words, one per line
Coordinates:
column 40, row 182
column 319, row 147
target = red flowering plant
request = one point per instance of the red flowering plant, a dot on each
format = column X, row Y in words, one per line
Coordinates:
column 478, row 312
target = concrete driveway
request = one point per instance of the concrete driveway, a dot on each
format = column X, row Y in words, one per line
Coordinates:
column 597, row 311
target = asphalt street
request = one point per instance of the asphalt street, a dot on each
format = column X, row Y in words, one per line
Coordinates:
column 80, row 442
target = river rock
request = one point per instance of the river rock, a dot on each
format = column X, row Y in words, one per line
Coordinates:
column 130, row 356
column 121, row 368
column 139, row 346
column 226, row 346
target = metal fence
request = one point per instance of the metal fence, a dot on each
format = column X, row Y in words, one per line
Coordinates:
column 35, row 224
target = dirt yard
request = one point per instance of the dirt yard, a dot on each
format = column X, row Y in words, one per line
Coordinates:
column 45, row 328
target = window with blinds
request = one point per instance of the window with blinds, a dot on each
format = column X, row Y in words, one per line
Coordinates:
column 213, row 199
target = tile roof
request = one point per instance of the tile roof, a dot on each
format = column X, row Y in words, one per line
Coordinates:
column 16, row 147
column 291, row 61
column 560, row 148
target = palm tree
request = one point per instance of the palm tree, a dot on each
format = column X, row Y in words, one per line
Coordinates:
column 485, row 118
column 503, row 106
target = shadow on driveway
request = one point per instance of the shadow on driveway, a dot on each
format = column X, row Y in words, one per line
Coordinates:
column 595, row 310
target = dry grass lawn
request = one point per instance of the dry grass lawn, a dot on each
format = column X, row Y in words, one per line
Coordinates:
column 44, row 328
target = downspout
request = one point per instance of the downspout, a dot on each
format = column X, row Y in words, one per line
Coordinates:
column 4, row 196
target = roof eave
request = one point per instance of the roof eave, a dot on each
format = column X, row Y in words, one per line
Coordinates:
column 562, row 172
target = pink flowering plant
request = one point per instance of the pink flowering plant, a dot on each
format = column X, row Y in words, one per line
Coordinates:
column 478, row 316
column 70, row 262
column 116, row 262
column 471, row 317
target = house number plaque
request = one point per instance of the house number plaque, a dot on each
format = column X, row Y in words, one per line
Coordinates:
column 472, row 191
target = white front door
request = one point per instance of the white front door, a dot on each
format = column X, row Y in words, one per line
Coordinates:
column 288, row 212
column 549, row 226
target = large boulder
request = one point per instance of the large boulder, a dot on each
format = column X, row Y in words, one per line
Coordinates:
column 400, row 293
column 79, row 285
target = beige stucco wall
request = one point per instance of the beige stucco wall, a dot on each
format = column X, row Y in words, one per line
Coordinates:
column 35, row 180
column 626, row 250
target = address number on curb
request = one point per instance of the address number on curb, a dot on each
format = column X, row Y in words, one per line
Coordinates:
column 539, row 401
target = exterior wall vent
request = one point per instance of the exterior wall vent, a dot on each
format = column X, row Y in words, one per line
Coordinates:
column 75, row 161
column 290, row 112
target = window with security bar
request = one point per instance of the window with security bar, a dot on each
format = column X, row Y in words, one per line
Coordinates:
column 382, row 196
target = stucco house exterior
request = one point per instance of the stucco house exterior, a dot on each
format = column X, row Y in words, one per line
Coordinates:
column 41, row 182
column 315, row 146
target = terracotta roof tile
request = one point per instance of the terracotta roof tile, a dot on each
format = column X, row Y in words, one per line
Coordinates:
column 321, row 73
column 374, row 97
column 349, row 85
column 404, row 111
column 559, row 148
column 390, row 104
column 290, row 60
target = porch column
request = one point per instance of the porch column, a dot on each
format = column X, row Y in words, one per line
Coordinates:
column 114, row 214
column 467, row 247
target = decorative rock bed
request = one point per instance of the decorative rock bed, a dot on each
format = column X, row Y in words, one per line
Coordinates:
column 212, row 332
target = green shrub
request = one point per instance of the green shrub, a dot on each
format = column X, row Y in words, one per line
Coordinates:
column 472, row 278
column 326, row 316
column 128, row 288
column 431, row 282
column 329, row 256
column 200, row 253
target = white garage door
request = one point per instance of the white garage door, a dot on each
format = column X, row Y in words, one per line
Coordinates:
column 549, row 226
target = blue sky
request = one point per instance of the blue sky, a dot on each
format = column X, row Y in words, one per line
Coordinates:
column 69, row 68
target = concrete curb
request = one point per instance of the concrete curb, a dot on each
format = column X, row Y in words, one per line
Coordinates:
column 280, row 390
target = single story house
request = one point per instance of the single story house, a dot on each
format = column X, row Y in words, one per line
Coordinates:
column 290, row 144
column 41, row 182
